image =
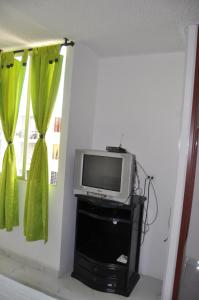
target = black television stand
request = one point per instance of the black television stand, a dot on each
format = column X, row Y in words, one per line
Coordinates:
column 107, row 244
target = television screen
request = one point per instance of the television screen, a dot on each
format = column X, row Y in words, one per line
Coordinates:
column 102, row 172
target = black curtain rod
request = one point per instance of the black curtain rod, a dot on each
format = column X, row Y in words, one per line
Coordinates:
column 66, row 43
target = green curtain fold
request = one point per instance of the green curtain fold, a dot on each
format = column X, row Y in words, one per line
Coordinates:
column 45, row 73
column 12, row 72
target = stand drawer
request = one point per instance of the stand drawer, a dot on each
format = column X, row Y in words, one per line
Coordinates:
column 101, row 269
column 110, row 284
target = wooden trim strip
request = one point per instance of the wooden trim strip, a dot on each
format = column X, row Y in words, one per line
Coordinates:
column 190, row 177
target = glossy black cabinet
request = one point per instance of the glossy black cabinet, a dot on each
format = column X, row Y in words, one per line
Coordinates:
column 107, row 245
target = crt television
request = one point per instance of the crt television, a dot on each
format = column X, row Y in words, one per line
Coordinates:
column 104, row 174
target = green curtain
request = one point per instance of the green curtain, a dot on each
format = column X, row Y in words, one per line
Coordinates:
column 45, row 72
column 12, row 74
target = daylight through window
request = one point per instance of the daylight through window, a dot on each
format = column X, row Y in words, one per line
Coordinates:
column 27, row 135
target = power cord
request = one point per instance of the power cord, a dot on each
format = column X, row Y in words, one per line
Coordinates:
column 137, row 190
column 146, row 226
column 148, row 184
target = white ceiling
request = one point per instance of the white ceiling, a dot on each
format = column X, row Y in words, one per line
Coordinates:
column 109, row 27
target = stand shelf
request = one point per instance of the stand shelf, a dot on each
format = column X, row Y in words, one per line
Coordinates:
column 105, row 231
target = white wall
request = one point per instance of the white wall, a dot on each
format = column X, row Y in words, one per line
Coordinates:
column 192, row 248
column 37, row 252
column 141, row 97
column 80, row 132
column 182, row 164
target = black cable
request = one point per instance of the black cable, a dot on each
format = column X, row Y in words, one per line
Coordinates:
column 137, row 189
column 145, row 180
column 146, row 223
column 154, row 191
column 157, row 207
column 138, row 180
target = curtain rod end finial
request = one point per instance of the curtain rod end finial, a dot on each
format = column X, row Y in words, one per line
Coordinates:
column 67, row 42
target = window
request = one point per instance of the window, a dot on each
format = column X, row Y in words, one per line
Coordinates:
column 26, row 134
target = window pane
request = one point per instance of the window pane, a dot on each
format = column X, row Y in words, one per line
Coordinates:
column 31, row 141
column 53, row 133
column 20, row 128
